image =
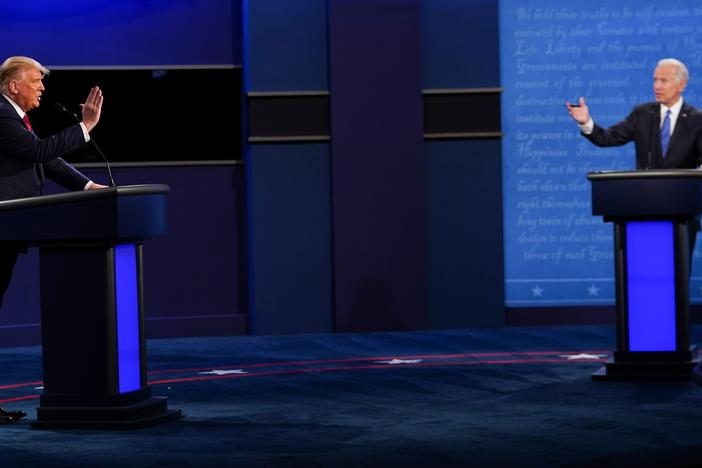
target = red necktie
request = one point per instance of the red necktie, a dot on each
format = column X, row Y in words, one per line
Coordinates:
column 26, row 122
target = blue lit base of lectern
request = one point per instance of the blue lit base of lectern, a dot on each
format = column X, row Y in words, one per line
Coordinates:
column 652, row 269
column 656, row 218
column 92, row 303
column 94, row 353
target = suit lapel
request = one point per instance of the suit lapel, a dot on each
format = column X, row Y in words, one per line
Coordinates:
column 6, row 106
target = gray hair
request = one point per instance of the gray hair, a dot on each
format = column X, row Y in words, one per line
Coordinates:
column 681, row 73
column 14, row 66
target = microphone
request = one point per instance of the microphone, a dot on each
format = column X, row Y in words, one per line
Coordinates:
column 650, row 136
column 62, row 108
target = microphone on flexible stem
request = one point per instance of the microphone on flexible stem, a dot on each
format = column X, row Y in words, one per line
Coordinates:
column 62, row 108
column 107, row 163
column 650, row 137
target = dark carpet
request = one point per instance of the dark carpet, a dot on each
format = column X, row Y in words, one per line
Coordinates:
column 505, row 397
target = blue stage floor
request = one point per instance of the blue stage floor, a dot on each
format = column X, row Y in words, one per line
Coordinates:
column 503, row 397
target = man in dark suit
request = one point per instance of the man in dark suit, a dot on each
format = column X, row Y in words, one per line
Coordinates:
column 667, row 133
column 26, row 159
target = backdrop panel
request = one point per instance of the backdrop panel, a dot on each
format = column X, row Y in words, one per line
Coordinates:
column 378, row 170
column 285, row 45
column 556, row 253
column 289, row 237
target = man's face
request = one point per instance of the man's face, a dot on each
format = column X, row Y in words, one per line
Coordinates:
column 27, row 88
column 665, row 86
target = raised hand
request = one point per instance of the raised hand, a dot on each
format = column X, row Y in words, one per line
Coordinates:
column 92, row 108
column 580, row 112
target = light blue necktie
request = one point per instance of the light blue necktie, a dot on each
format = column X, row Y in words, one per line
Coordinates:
column 665, row 133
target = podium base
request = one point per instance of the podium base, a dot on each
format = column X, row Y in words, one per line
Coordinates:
column 646, row 371
column 134, row 416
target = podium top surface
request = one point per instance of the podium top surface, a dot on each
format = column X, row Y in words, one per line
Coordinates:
column 645, row 174
column 113, row 214
column 659, row 193
column 82, row 196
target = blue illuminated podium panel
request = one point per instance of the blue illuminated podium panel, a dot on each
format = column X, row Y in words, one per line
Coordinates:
column 656, row 218
column 93, row 342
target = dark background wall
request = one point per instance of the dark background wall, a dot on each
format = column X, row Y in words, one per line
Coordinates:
column 287, row 167
column 378, row 170
column 110, row 33
column 168, row 128
column 387, row 118
column 368, row 193
column 462, row 146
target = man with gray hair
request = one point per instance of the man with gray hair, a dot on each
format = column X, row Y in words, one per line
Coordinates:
column 667, row 133
column 25, row 159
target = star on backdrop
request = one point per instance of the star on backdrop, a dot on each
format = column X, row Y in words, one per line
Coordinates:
column 537, row 291
column 593, row 290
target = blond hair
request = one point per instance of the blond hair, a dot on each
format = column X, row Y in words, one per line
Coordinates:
column 14, row 66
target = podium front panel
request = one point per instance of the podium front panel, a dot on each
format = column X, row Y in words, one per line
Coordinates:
column 650, row 265
column 127, row 302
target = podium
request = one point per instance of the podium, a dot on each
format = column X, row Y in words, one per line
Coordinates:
column 93, row 343
column 652, row 212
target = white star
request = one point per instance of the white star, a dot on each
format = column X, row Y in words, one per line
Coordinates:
column 394, row 361
column 225, row 372
column 593, row 290
column 537, row 290
column 38, row 388
column 582, row 356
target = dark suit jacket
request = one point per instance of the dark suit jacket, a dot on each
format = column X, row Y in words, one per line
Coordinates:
column 25, row 159
column 642, row 127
